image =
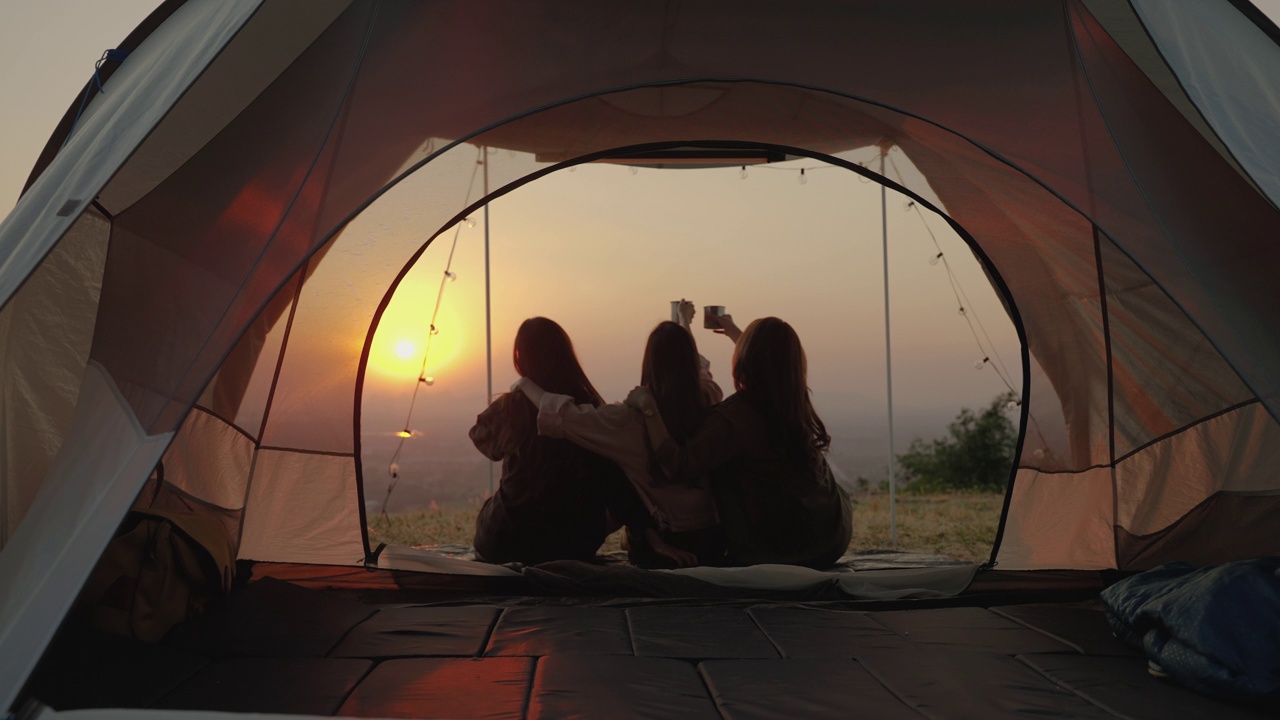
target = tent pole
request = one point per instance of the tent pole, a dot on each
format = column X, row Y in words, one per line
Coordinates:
column 888, row 363
column 488, row 323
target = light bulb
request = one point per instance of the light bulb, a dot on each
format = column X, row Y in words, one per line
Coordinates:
column 434, row 331
column 394, row 469
column 1038, row 454
column 405, row 433
column 451, row 275
column 470, row 222
column 428, row 380
column 743, row 172
column 979, row 364
column 909, row 204
column 803, row 179
column 934, row 260
column 1011, row 405
column 960, row 310
column 634, row 170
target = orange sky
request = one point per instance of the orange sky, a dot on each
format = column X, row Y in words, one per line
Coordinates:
column 603, row 251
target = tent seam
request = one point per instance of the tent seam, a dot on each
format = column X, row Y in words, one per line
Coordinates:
column 1020, row 657
column 300, row 451
column 347, row 695
column 1111, row 394
column 488, row 635
column 266, row 410
column 528, row 693
column 218, row 416
column 1156, row 217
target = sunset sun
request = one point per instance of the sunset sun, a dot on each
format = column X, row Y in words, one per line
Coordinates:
column 404, row 335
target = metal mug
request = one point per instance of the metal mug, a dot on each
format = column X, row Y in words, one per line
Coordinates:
column 708, row 312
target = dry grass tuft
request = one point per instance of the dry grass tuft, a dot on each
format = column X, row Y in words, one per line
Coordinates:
column 958, row 525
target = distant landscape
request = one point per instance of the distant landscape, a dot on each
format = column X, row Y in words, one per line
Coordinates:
column 440, row 467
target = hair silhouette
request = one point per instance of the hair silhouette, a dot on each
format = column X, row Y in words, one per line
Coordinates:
column 670, row 371
column 544, row 353
column 770, row 370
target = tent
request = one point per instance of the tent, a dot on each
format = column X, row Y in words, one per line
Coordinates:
column 1111, row 164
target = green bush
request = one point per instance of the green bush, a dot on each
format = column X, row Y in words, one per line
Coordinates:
column 976, row 454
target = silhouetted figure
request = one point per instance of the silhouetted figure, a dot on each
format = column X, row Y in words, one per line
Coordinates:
column 764, row 450
column 555, row 501
column 683, row 512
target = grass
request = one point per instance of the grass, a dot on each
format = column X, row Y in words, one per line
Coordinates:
column 957, row 525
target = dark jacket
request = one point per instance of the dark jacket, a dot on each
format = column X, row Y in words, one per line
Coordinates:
column 551, row 502
column 773, row 507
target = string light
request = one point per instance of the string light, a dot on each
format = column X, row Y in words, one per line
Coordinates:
column 633, row 170
column 962, row 304
column 802, row 173
column 393, row 468
column 962, row 300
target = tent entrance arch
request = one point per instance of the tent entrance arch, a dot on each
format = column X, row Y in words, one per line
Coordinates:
column 929, row 402
column 1013, row 215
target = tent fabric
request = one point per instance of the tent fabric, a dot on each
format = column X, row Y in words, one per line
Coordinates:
column 41, row 577
column 110, row 128
column 41, row 386
column 1108, row 183
column 1238, row 92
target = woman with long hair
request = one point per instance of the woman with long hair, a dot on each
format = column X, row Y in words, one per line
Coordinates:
column 764, row 450
column 682, row 391
column 555, row 500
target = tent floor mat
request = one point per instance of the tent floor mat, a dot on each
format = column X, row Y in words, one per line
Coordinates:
column 542, row 660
